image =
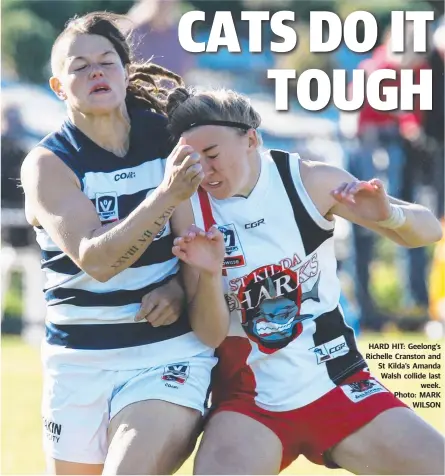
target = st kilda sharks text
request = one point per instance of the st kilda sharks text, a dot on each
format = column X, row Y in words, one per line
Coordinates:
column 270, row 300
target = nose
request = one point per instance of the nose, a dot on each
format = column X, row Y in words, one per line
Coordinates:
column 207, row 167
column 96, row 72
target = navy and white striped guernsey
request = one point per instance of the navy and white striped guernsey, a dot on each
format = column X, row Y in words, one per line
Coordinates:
column 82, row 312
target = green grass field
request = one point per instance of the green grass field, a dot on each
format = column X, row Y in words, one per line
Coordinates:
column 21, row 385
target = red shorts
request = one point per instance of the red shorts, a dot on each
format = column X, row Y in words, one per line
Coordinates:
column 315, row 428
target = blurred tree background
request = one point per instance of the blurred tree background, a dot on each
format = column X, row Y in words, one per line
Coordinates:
column 29, row 27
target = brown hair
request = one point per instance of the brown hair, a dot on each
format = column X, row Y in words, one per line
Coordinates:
column 144, row 81
column 187, row 106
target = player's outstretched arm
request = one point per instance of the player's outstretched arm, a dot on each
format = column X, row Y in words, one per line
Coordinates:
column 366, row 203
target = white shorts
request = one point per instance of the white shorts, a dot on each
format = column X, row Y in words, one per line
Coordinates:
column 79, row 401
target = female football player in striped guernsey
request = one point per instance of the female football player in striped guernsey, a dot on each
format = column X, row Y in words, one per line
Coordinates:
column 100, row 194
column 290, row 379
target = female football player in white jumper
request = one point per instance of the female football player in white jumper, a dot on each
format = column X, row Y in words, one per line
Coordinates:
column 290, row 379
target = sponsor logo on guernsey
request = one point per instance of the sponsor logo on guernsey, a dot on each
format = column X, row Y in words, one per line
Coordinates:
column 107, row 206
column 124, row 176
column 358, row 391
column 249, row 226
column 176, row 374
column 330, row 350
column 53, row 430
column 235, row 257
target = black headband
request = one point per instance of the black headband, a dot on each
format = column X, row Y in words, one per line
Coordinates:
column 238, row 125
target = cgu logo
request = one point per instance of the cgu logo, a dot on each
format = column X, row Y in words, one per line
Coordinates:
column 124, row 175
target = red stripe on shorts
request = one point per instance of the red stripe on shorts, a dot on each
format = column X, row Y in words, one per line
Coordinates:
column 232, row 377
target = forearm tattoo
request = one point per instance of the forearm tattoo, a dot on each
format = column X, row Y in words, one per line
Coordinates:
column 144, row 238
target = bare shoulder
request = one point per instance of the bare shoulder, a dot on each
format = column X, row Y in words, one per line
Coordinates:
column 319, row 179
column 42, row 174
column 41, row 160
column 322, row 173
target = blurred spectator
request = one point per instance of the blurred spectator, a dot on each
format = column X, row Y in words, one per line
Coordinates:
column 12, row 124
column 388, row 150
column 13, row 151
column 18, row 251
column 155, row 35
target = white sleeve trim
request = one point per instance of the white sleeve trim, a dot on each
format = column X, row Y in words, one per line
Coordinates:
column 319, row 219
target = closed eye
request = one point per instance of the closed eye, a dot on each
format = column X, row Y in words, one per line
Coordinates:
column 81, row 68
column 106, row 64
column 212, row 156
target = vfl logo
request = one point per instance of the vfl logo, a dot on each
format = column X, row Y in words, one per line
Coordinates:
column 176, row 373
column 107, row 206
column 321, row 354
column 229, row 240
column 330, row 350
column 235, row 257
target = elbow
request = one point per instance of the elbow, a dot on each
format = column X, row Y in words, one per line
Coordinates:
column 427, row 235
column 99, row 273
column 101, row 276
column 424, row 241
column 439, row 233
column 219, row 337
column 95, row 265
column 435, row 234
column 213, row 341
column 212, row 337
column 217, row 340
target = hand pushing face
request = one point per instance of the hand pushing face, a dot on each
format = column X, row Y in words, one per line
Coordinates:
column 183, row 173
